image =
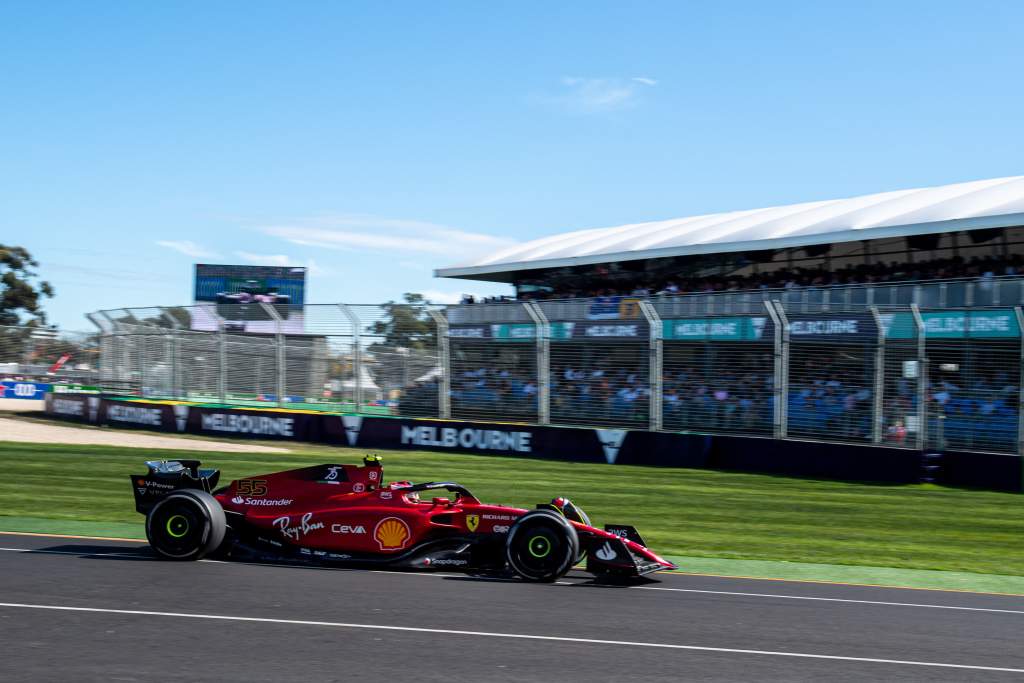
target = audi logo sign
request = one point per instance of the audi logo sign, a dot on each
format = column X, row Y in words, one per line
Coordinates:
column 24, row 390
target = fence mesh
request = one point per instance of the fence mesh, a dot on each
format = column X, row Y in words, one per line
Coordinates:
column 834, row 368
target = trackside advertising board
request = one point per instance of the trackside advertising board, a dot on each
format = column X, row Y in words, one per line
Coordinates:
column 164, row 417
column 610, row 446
column 983, row 324
column 753, row 328
column 29, row 391
column 559, row 331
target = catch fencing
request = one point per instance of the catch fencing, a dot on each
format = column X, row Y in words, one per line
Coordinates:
column 846, row 371
column 29, row 351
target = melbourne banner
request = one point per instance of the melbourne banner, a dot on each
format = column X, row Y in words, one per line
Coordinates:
column 584, row 444
column 984, row 324
column 755, row 328
column 559, row 331
column 853, row 327
column 559, row 443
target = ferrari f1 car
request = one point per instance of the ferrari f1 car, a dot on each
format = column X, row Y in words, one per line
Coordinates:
column 347, row 515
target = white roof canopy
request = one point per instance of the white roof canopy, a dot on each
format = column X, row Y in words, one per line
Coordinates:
column 997, row 203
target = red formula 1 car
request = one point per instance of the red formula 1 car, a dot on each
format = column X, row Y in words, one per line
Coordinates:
column 347, row 515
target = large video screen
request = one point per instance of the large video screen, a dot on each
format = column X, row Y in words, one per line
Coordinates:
column 239, row 293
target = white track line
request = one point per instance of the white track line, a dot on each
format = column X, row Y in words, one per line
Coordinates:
column 559, row 583
column 518, row 636
column 43, row 551
column 823, row 599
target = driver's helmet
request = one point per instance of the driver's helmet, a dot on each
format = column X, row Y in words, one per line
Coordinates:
column 570, row 511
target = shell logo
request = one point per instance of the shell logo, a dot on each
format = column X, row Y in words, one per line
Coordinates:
column 391, row 533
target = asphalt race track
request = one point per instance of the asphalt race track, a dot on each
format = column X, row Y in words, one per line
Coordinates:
column 78, row 609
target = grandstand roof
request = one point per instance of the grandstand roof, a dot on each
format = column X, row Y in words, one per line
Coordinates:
column 995, row 203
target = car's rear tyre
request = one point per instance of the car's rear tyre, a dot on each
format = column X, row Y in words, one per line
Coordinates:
column 186, row 525
column 541, row 546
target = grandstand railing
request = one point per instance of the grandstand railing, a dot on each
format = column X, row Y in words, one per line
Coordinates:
column 950, row 293
column 901, row 374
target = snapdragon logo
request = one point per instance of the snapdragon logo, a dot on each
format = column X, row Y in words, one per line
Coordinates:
column 248, row 424
column 181, row 417
column 482, row 439
column 352, row 425
column 611, row 440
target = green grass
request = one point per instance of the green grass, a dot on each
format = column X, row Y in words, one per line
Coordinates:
column 691, row 513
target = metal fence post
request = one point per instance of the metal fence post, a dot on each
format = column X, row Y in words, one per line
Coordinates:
column 1020, row 385
column 222, row 361
column 922, row 380
column 281, row 349
column 657, row 378
column 115, row 347
column 357, row 355
column 140, row 357
column 175, row 345
column 878, row 406
column 102, row 362
column 444, row 389
column 543, row 361
column 780, row 383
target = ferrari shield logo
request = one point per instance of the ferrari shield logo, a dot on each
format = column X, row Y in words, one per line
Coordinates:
column 472, row 522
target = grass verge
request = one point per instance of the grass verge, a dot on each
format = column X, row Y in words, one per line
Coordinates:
column 703, row 518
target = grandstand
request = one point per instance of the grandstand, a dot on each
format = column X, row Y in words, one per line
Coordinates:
column 832, row 276
column 968, row 230
column 887, row 320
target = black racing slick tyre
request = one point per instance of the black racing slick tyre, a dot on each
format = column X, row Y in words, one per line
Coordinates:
column 541, row 546
column 186, row 525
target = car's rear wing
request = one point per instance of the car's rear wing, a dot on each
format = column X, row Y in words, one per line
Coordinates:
column 164, row 476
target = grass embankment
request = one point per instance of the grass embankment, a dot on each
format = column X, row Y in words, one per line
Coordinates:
column 692, row 513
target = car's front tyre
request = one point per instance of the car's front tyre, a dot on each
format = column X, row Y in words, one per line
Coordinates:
column 542, row 546
column 186, row 525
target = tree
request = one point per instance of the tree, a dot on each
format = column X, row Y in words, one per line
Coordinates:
column 405, row 347
column 20, row 289
column 405, row 325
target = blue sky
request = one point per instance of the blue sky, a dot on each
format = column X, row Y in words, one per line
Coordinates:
column 374, row 142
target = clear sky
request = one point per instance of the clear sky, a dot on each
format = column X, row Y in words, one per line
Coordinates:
column 374, row 142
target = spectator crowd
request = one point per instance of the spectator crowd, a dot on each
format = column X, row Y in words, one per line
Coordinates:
column 829, row 396
column 601, row 283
